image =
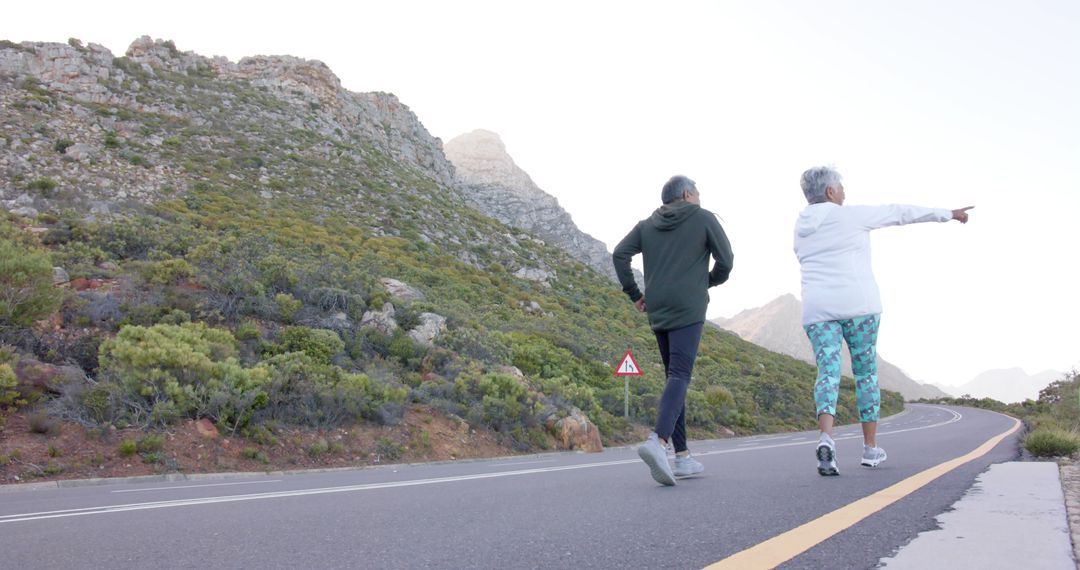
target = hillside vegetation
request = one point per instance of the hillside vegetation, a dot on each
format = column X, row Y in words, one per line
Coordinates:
column 251, row 250
column 1053, row 420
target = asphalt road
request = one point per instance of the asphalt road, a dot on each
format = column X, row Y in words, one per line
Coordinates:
column 547, row 511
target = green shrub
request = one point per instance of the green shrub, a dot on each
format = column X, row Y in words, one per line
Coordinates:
column 287, row 306
column 320, row 344
column 403, row 347
column 301, row 391
column 250, row 452
column 175, row 317
column 40, row 422
column 27, row 293
column 128, row 447
column 45, row 185
column 55, row 451
column 1050, row 442
column 389, row 449
column 478, row 343
column 169, row 372
column 9, row 396
column 167, row 272
column 62, row 145
column 247, row 331
column 101, row 402
column 152, row 457
column 150, row 443
column 319, row 448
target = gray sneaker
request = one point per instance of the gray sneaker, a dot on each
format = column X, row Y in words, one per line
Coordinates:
column 687, row 466
column 873, row 456
column 826, row 456
column 654, row 455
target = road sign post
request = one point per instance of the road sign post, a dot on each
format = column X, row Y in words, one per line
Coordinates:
column 627, row 367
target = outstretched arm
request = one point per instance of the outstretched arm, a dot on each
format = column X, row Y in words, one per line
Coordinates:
column 874, row 217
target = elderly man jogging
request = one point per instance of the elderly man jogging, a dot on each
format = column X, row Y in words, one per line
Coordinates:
column 841, row 300
column 676, row 242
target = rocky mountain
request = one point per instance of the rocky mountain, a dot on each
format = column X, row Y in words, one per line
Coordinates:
column 495, row 185
column 313, row 252
column 776, row 326
column 1008, row 385
column 281, row 93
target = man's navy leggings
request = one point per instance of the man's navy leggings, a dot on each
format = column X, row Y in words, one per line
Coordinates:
column 678, row 349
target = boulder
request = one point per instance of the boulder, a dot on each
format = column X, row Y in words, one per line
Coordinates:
column 60, row 276
column 382, row 320
column 79, row 152
column 35, row 376
column 577, row 432
column 206, row 429
column 401, row 291
column 512, row 371
column 430, row 327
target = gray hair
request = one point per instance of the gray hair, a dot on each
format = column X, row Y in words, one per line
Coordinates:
column 816, row 180
column 674, row 188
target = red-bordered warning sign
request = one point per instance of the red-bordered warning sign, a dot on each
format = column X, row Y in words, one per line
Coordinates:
column 628, row 366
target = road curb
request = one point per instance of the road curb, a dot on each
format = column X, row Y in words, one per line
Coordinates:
column 180, row 477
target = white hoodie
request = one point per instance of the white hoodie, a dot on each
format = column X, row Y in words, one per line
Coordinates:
column 832, row 243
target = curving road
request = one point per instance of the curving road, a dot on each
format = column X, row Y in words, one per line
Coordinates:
column 546, row 511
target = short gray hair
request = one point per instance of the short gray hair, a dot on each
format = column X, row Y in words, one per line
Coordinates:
column 674, row 188
column 816, row 180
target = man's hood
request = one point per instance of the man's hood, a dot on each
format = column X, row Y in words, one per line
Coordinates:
column 671, row 216
column 811, row 218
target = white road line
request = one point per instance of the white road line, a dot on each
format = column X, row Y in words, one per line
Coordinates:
column 195, row 486
column 522, row 463
column 373, row 486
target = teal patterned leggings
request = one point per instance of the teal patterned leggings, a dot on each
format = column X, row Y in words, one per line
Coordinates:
column 827, row 341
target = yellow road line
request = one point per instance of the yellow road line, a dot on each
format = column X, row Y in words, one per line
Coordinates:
column 784, row 547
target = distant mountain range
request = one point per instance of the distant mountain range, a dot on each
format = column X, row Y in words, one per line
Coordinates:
column 1007, row 385
column 777, row 327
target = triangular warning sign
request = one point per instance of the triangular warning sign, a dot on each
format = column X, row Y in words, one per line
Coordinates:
column 628, row 366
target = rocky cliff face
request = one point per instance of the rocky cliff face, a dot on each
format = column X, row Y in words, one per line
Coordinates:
column 496, row 186
column 776, row 326
column 90, row 98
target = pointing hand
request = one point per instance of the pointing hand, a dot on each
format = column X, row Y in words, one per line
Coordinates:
column 961, row 214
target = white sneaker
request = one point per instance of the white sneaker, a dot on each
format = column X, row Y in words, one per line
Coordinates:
column 826, row 456
column 687, row 466
column 654, row 455
column 873, row 456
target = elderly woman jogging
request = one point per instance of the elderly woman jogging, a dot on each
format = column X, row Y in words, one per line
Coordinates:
column 841, row 301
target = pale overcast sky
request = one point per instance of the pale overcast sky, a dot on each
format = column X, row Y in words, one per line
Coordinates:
column 943, row 104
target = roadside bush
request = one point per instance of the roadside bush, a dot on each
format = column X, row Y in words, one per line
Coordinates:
column 8, row 394
column 169, row 372
column 101, row 402
column 127, row 448
column 301, row 391
column 27, row 293
column 388, row 449
column 1050, row 442
column 150, row 443
column 40, row 422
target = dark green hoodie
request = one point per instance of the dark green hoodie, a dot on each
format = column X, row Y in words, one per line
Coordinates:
column 675, row 243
